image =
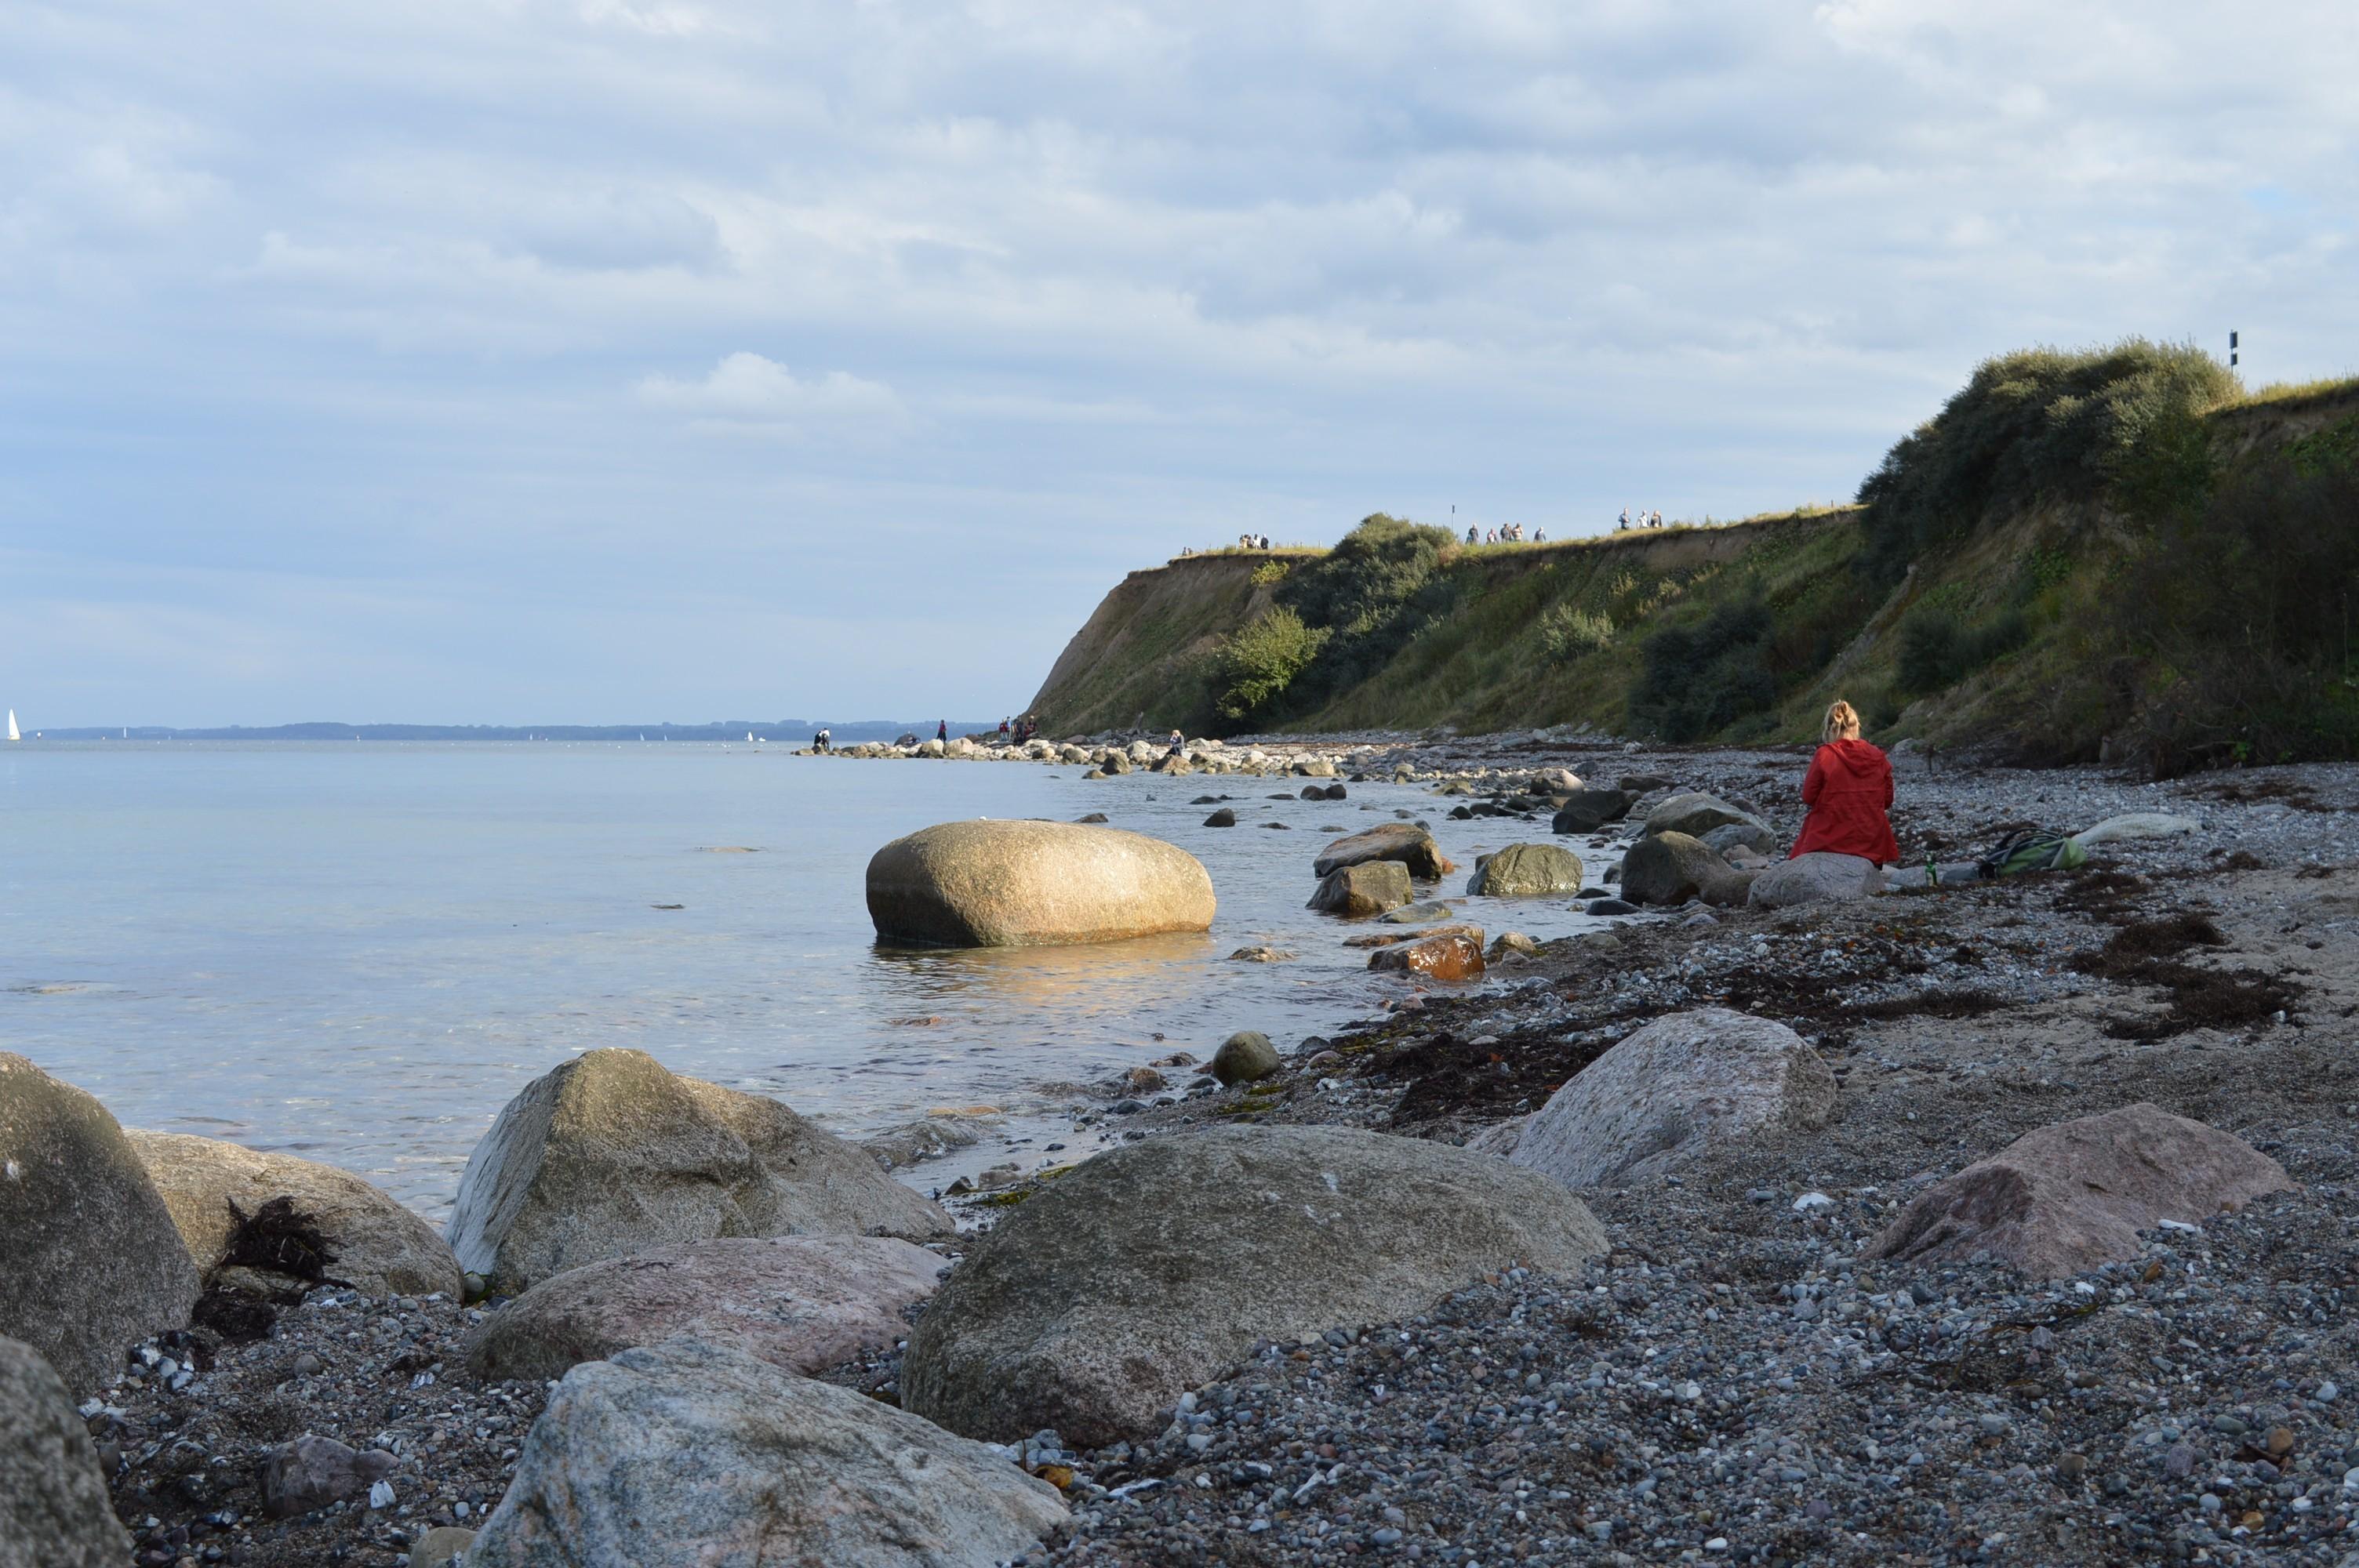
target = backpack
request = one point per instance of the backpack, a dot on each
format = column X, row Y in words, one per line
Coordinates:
column 2031, row 849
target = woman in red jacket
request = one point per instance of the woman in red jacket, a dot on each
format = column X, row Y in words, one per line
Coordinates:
column 1846, row 794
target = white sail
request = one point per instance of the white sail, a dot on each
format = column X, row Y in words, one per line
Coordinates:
column 13, row 734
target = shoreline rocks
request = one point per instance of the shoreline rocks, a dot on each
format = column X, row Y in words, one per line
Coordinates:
column 90, row 1259
column 1358, row 892
column 1021, row 885
column 1147, row 1269
column 1526, row 871
column 1813, row 877
column 1670, row 868
column 1410, row 843
column 610, row 1154
column 54, row 1510
column 1446, row 954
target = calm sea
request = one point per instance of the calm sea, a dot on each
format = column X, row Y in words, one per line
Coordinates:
column 358, row 952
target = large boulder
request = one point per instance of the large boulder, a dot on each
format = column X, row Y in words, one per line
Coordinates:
column 1696, row 814
column 1446, row 954
column 1026, row 884
column 1410, row 843
column 90, row 1263
column 54, row 1510
column 686, row 1455
column 2075, row 1195
column 1357, row 891
column 1679, row 1089
column 1526, row 871
column 1150, row 1270
column 374, row 1245
column 609, row 1154
column 1586, row 811
column 1733, row 836
column 1815, row 878
column 803, row 1302
column 1672, row 868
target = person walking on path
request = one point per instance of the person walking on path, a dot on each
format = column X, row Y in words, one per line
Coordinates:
column 1846, row 794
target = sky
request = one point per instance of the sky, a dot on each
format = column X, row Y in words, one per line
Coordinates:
column 583, row 361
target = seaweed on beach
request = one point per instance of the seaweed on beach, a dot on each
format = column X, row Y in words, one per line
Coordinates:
column 1450, row 1077
column 2103, row 893
column 2131, row 950
column 280, row 1238
column 2204, row 998
column 238, row 1318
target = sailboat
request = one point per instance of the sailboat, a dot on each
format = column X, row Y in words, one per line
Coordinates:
column 14, row 734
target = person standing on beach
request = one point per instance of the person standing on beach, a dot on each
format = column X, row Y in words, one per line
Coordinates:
column 1847, row 794
column 942, row 731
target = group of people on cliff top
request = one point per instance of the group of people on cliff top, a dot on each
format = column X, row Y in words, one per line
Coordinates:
column 1646, row 520
column 1511, row 534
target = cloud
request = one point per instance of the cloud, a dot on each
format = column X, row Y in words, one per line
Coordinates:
column 747, row 390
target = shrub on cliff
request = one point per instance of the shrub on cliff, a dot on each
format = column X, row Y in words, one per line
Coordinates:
column 1700, row 679
column 2043, row 423
column 1260, row 660
column 1368, row 595
column 1568, row 632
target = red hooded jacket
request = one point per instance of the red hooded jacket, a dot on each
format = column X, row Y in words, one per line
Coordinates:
column 1847, row 792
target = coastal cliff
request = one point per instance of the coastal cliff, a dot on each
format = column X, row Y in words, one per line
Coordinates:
column 2113, row 555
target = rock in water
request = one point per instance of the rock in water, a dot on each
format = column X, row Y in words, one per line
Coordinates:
column 1224, row 818
column 90, row 1262
column 377, row 1247
column 1586, row 811
column 1025, row 884
column 610, row 1154
column 1442, row 955
column 1243, row 1057
column 314, row 1471
column 1672, row 868
column 1674, row 1091
column 1810, row 879
column 1526, row 871
column 2075, row 1195
column 1696, row 814
column 1357, row 891
column 691, row 1455
column 54, row 1511
column 1148, row 1269
column 1410, row 843
column 803, row 1302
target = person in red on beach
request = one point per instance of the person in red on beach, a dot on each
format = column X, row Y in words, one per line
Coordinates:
column 1846, row 794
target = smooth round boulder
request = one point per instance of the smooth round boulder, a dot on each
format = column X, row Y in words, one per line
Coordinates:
column 1732, row 835
column 1150, row 1269
column 1243, row 1057
column 90, row 1261
column 1665, row 868
column 1696, row 814
column 1815, row 878
column 1033, row 885
column 1443, row 956
column 1526, row 871
column 374, row 1245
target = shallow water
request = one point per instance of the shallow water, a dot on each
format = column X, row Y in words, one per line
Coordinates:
column 359, row 952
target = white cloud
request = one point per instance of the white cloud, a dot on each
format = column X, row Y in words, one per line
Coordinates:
column 746, row 389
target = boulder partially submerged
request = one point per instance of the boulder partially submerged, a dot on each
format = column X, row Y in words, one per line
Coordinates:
column 1410, row 843
column 1447, row 955
column 1150, row 1269
column 377, row 1247
column 802, row 1303
column 1587, row 810
column 90, row 1261
column 1023, row 884
column 1526, row 871
column 1372, row 887
column 610, row 1154
column 1669, row 868
column 2075, row 1195
column 686, row 1455
column 1683, row 1086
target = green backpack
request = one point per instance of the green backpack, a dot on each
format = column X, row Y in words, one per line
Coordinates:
column 2032, row 849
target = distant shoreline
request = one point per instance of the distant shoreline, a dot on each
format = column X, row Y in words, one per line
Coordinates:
column 774, row 729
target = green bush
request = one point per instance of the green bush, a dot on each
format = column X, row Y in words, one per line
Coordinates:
column 1260, row 660
column 2045, row 423
column 1269, row 572
column 1568, row 632
column 1938, row 650
column 1696, row 681
column 1370, row 594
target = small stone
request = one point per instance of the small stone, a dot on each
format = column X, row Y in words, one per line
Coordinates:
column 1244, row 1058
column 2073, row 1466
column 2326, row 1393
column 2279, row 1442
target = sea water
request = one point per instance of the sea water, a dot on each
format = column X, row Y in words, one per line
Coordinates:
column 357, row 952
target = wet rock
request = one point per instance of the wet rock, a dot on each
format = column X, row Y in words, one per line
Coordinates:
column 1679, row 1089
column 1526, row 871
column 1093, row 819
column 1243, row 1057
column 1667, row 869
column 1410, row 843
column 2075, row 1194
column 1357, row 891
column 1586, row 811
column 1515, row 942
column 1015, row 884
column 610, row 1154
column 54, row 1511
column 691, row 1455
column 1263, row 955
column 1416, row 914
column 374, row 1244
column 1814, row 877
column 1333, row 792
column 314, row 1471
column 90, row 1261
column 1224, row 818
column 1443, row 956
column 1609, row 906
column 802, row 1303
column 1097, row 1302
